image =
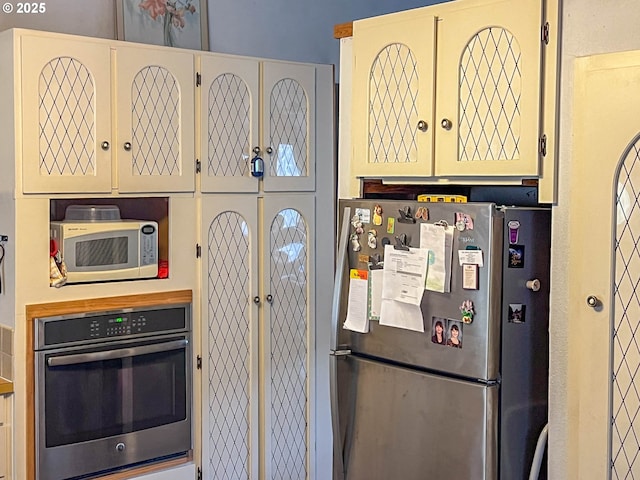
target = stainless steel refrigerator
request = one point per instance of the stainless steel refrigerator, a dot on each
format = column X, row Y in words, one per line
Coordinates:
column 406, row 405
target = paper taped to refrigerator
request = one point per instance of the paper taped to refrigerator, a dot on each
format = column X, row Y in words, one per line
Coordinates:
column 357, row 317
column 404, row 276
column 438, row 239
column 401, row 315
column 405, row 273
column 375, row 293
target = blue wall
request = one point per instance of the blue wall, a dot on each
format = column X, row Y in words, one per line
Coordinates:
column 299, row 30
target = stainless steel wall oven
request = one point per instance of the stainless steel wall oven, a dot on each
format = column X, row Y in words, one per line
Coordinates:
column 113, row 390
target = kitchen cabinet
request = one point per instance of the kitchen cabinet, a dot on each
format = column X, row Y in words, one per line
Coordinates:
column 258, row 336
column 5, row 437
column 100, row 116
column 265, row 109
column 33, row 195
column 448, row 90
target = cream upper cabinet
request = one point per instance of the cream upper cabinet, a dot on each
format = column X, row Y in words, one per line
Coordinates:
column 393, row 85
column 229, row 121
column 257, row 124
column 155, row 120
column 98, row 118
column 66, row 115
column 448, row 90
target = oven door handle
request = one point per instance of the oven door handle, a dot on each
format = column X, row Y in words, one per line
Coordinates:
column 113, row 354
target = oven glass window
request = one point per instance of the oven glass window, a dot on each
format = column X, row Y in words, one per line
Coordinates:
column 99, row 399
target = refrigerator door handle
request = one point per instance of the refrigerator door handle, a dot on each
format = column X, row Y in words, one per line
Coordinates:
column 343, row 246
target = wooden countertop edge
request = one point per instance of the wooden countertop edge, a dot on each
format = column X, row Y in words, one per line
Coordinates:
column 343, row 30
column 6, row 386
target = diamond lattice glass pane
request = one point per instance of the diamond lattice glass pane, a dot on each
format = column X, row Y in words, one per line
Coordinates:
column 393, row 110
column 289, row 277
column 625, row 421
column 288, row 124
column 155, row 120
column 490, row 88
column 229, row 127
column 228, row 336
column 67, row 119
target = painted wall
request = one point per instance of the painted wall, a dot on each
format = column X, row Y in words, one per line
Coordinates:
column 95, row 18
column 298, row 30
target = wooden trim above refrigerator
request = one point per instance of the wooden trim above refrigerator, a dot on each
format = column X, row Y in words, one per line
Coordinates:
column 343, row 30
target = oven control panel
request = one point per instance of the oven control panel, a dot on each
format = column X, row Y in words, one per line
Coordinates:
column 58, row 331
column 118, row 326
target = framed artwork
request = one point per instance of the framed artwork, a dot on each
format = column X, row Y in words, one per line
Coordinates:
column 173, row 23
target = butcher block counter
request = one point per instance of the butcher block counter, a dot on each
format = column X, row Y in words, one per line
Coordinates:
column 6, row 386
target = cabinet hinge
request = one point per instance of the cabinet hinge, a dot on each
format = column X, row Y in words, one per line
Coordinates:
column 198, row 79
column 545, row 33
column 199, row 474
column 198, row 250
column 199, row 362
column 198, row 166
column 543, row 145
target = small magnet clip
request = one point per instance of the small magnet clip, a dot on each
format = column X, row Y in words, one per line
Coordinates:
column 405, row 216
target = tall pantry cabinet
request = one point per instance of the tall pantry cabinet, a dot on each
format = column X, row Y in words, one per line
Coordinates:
column 102, row 120
column 265, row 240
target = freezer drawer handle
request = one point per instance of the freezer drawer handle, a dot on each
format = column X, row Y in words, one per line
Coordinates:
column 340, row 353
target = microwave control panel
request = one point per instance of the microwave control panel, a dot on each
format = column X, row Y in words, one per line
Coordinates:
column 148, row 244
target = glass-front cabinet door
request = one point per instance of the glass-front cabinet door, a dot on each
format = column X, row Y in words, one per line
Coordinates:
column 393, row 82
column 488, row 89
column 229, row 123
column 258, row 336
column 288, row 124
column 155, row 149
column 258, row 125
column 66, row 116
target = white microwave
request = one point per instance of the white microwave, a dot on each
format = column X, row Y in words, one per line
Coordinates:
column 107, row 250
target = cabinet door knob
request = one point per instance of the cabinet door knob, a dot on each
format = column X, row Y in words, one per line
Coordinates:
column 105, row 145
column 446, row 124
column 423, row 126
column 269, row 150
column 593, row 301
column 127, row 146
column 269, row 298
column 256, row 150
column 256, row 300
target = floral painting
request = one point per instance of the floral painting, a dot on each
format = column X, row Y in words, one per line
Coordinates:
column 174, row 23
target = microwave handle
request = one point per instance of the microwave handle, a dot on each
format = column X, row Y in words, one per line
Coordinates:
column 113, row 354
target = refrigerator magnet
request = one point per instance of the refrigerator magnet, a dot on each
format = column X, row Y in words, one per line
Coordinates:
column 355, row 242
column 391, row 225
column 377, row 215
column 364, row 214
column 516, row 312
column 514, row 228
column 372, row 239
column 470, row 276
column 464, row 222
column 516, row 256
column 467, row 311
column 356, row 221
